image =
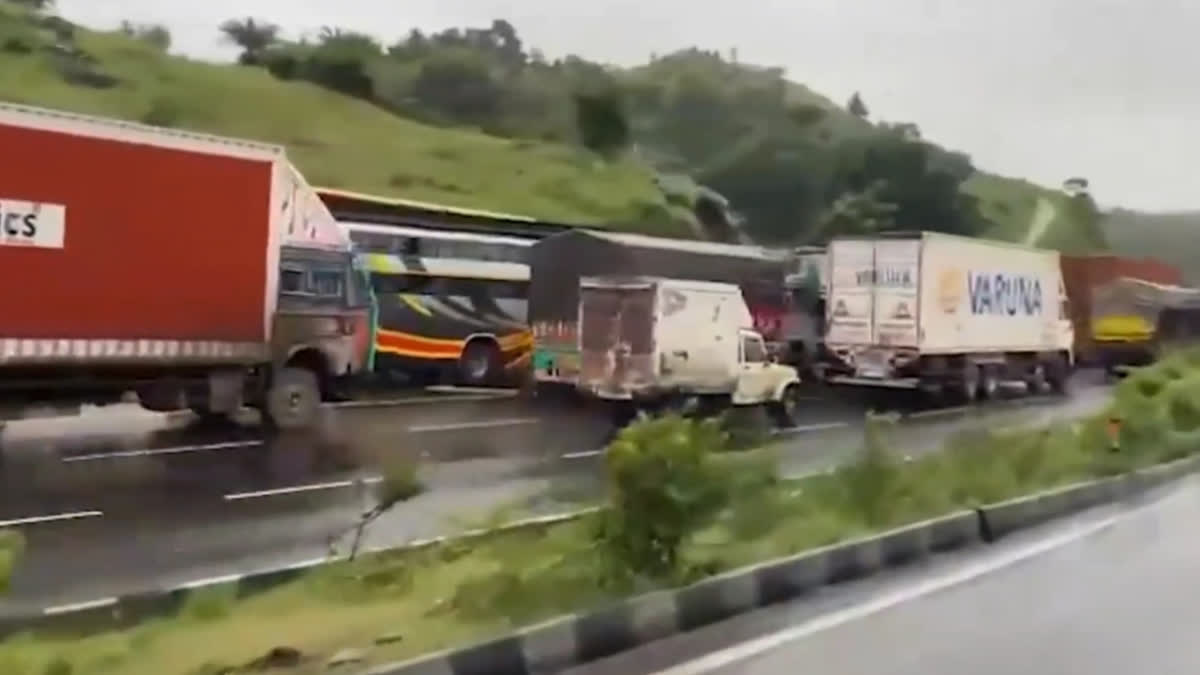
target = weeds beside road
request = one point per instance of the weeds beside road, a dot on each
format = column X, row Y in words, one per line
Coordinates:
column 680, row 508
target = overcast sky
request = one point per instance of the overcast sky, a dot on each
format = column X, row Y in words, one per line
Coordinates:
column 1042, row 89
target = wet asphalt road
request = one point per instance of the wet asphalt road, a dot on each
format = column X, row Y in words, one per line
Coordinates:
column 121, row 500
column 1106, row 593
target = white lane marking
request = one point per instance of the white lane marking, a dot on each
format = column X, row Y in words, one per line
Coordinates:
column 150, row 452
column 937, row 412
column 456, row 426
column 79, row 606
column 393, row 402
column 583, row 454
column 498, row 391
column 33, row 520
column 309, row 487
column 759, row 646
column 210, row 581
column 806, row 428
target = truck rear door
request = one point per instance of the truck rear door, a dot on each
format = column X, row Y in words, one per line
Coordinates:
column 873, row 292
column 616, row 337
column 894, row 309
column 872, row 306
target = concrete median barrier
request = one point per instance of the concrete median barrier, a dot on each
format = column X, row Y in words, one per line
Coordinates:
column 579, row 639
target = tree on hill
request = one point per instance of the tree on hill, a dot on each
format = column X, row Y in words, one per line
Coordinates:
column 866, row 212
column 37, row 5
column 252, row 36
column 922, row 185
column 154, row 34
column 601, row 122
column 857, row 108
column 457, row 86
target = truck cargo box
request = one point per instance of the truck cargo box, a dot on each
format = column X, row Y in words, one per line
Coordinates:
column 128, row 242
column 937, row 294
column 1085, row 275
column 644, row 332
column 557, row 264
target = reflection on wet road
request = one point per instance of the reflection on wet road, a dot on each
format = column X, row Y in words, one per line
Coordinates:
column 147, row 501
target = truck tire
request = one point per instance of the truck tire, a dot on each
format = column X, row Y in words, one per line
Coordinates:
column 293, row 398
column 1059, row 375
column 786, row 411
column 989, row 383
column 968, row 384
column 1036, row 381
column 479, row 363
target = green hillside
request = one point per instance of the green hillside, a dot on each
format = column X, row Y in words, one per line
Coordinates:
column 1013, row 204
column 336, row 140
column 406, row 120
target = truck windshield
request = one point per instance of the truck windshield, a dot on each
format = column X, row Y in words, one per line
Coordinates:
column 753, row 349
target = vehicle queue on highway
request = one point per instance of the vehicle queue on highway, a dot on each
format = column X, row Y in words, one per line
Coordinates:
column 251, row 288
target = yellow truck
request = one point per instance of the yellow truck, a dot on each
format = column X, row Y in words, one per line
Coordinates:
column 1134, row 320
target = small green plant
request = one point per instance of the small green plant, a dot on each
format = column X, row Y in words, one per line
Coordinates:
column 664, row 485
column 210, row 603
column 12, row 547
column 399, row 483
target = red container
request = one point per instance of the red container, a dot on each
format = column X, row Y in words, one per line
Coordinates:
column 1081, row 274
column 165, row 236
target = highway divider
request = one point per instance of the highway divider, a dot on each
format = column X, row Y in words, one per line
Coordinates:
column 577, row 639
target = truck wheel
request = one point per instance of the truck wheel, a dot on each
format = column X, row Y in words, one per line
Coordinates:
column 479, row 363
column 968, row 385
column 785, row 412
column 1058, row 374
column 1036, row 382
column 293, row 399
column 989, row 383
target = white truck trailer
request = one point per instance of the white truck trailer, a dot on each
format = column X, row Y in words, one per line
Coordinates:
column 654, row 342
column 945, row 313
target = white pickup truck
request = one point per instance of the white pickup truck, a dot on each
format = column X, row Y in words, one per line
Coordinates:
column 655, row 342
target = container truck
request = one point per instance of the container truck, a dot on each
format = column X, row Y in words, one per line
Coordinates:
column 1087, row 275
column 199, row 272
column 1126, row 315
column 558, row 262
column 660, row 343
column 946, row 314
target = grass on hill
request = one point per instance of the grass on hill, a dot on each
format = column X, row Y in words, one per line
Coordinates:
column 342, row 142
column 335, row 140
column 1012, row 205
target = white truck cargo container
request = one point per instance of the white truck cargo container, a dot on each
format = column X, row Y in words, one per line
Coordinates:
column 655, row 342
column 946, row 313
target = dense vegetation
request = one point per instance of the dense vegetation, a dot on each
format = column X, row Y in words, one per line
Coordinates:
column 475, row 117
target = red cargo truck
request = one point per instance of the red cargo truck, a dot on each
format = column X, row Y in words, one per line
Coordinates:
column 1083, row 274
column 197, row 271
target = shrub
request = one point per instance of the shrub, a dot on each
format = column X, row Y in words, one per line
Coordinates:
column 664, row 486
column 12, row 546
